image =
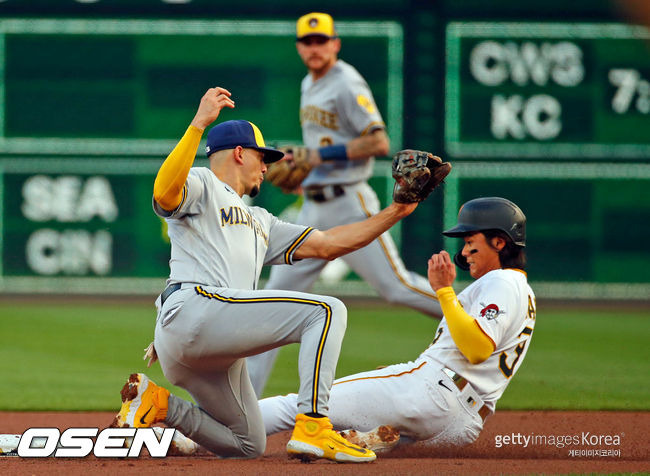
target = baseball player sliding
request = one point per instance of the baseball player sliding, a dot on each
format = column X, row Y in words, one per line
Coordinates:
column 211, row 314
column 342, row 130
column 445, row 395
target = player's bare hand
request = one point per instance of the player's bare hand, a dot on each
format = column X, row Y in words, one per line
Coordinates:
column 441, row 271
column 212, row 102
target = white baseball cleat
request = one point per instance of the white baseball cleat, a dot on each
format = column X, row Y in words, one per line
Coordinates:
column 181, row 444
column 380, row 440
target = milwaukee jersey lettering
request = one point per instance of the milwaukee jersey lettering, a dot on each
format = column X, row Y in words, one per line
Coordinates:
column 238, row 216
column 216, row 239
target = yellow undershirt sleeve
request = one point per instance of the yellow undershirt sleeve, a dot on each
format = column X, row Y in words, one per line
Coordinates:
column 169, row 183
column 471, row 340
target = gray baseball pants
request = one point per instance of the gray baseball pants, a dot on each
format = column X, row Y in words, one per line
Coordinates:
column 202, row 337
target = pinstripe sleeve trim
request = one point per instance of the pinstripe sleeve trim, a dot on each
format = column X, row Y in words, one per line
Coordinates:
column 373, row 126
column 288, row 255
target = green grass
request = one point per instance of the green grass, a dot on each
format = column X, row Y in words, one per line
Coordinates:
column 76, row 355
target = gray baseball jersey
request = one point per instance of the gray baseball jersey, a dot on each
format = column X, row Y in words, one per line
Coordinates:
column 334, row 110
column 217, row 317
column 218, row 240
column 419, row 398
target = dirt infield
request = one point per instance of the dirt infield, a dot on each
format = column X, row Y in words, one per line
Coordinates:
column 550, row 442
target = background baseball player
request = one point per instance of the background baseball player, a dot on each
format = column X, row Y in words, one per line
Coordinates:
column 447, row 392
column 342, row 131
column 211, row 315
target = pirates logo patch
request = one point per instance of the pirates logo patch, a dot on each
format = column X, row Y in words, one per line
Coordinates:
column 491, row 311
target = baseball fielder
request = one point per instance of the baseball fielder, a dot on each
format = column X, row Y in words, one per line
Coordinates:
column 343, row 131
column 445, row 395
column 211, row 315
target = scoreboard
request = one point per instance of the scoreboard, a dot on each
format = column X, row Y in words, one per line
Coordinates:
column 131, row 87
column 540, row 90
column 90, row 106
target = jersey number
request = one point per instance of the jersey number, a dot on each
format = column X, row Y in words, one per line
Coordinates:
column 503, row 357
column 508, row 370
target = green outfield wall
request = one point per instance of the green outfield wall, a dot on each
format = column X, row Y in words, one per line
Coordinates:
column 549, row 110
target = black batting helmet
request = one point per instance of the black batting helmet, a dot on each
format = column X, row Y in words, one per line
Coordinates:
column 490, row 213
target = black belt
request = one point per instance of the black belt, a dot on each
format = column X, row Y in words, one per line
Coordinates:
column 169, row 290
column 461, row 382
column 324, row 193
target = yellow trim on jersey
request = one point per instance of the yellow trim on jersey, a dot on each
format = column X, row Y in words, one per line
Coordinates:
column 296, row 244
column 184, row 197
column 390, row 259
column 319, row 353
column 383, row 376
column 478, row 324
column 170, row 179
column 468, row 335
column 371, row 126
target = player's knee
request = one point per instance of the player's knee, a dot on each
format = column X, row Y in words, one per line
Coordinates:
column 337, row 307
column 339, row 313
column 332, row 312
column 255, row 444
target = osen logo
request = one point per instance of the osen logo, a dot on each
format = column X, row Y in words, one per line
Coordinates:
column 78, row 442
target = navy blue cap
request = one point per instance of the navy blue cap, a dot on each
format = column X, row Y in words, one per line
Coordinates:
column 230, row 134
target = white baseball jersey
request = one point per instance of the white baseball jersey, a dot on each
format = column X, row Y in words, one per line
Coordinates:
column 335, row 109
column 503, row 304
column 220, row 241
column 420, row 398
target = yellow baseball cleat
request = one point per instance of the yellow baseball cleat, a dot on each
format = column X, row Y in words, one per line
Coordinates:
column 143, row 403
column 314, row 438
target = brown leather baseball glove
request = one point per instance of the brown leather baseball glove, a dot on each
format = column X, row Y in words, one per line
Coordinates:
column 289, row 172
column 416, row 174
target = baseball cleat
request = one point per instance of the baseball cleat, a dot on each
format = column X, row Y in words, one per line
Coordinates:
column 380, row 440
column 181, row 444
column 314, row 438
column 143, row 403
